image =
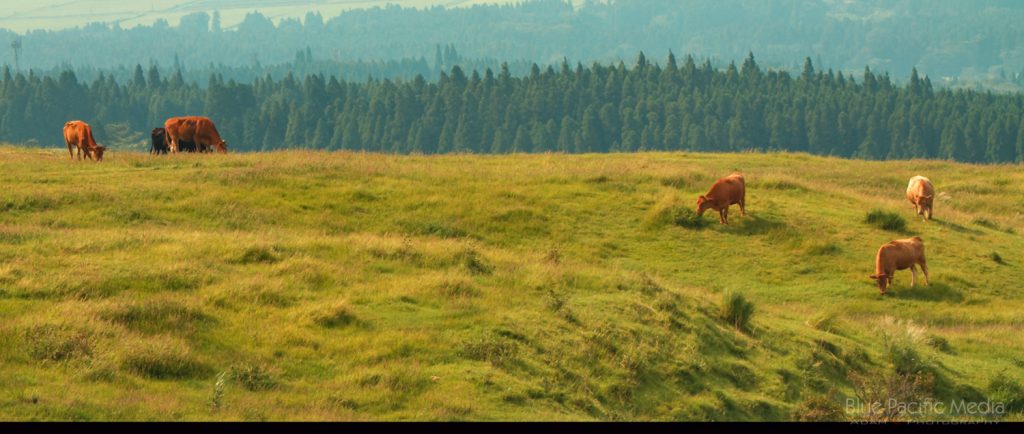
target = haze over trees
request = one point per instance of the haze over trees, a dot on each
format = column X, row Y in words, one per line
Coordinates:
column 942, row 38
column 573, row 109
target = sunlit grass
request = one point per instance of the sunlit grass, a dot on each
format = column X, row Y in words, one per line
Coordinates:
column 346, row 286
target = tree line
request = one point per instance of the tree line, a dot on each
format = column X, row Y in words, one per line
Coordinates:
column 646, row 106
column 304, row 63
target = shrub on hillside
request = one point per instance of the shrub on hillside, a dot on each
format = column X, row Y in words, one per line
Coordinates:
column 671, row 210
column 1008, row 391
column 253, row 377
column 259, row 255
column 820, row 408
column 875, row 390
column 886, row 221
column 56, row 343
column 164, row 362
column 737, row 310
column 490, row 347
column 338, row 316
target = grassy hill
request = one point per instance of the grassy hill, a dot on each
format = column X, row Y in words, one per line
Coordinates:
column 340, row 286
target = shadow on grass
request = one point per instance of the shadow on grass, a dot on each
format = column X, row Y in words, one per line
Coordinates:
column 753, row 225
column 933, row 292
column 956, row 227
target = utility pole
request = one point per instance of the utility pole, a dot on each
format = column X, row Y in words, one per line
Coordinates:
column 16, row 46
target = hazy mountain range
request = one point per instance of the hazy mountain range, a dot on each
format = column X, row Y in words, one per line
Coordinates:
column 949, row 40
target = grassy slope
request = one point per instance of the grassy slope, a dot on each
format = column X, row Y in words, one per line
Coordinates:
column 354, row 287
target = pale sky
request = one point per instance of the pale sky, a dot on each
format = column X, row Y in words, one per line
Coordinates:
column 23, row 15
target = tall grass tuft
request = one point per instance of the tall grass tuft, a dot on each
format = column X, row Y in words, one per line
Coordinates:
column 217, row 399
column 737, row 311
column 259, row 255
column 671, row 210
column 1008, row 391
column 253, row 377
column 56, row 343
column 338, row 316
column 164, row 362
column 886, row 221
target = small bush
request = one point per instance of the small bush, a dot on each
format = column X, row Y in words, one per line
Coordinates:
column 905, row 358
column 259, row 255
column 339, row 316
column 737, row 311
column 826, row 249
column 56, row 343
column 939, row 343
column 824, row 321
column 155, row 316
column 553, row 256
column 458, row 289
column 1008, row 391
column 253, row 377
column 997, row 258
column 475, row 264
column 164, row 363
column 779, row 184
column 985, row 223
column 671, row 210
column 491, row 348
column 434, row 230
column 886, row 221
column 875, row 391
column 820, row 408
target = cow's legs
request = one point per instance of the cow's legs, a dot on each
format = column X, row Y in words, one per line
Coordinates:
column 79, row 153
column 924, row 269
column 743, row 207
column 71, row 151
column 723, row 216
column 913, row 276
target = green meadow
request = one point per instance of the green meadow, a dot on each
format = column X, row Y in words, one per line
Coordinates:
column 344, row 286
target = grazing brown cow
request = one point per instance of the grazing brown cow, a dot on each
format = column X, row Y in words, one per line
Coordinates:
column 921, row 193
column 79, row 134
column 726, row 191
column 197, row 129
column 159, row 136
column 899, row 255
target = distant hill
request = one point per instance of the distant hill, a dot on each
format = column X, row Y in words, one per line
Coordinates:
column 954, row 42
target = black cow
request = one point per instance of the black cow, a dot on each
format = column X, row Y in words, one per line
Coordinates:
column 159, row 142
column 160, row 145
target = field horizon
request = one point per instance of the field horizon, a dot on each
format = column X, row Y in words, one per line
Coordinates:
column 316, row 285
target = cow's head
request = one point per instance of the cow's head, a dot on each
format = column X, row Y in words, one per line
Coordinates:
column 924, row 203
column 222, row 147
column 883, row 280
column 99, row 152
column 702, row 205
